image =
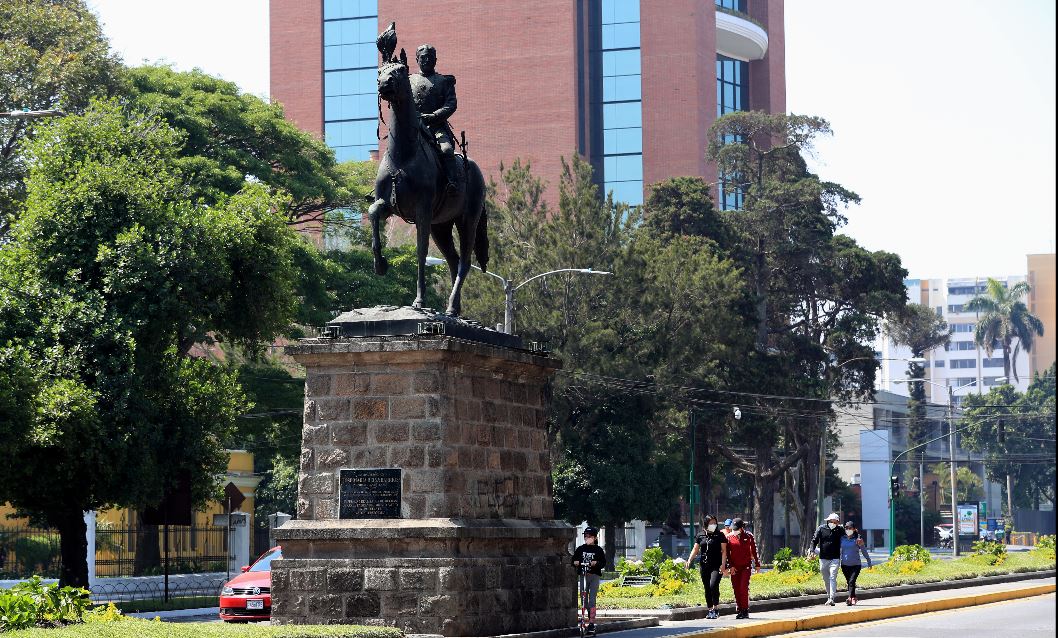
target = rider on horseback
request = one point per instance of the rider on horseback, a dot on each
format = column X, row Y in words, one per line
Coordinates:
column 435, row 98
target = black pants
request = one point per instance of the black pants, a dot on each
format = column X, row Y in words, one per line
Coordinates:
column 852, row 572
column 711, row 581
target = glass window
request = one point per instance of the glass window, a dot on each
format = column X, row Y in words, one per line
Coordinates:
column 335, row 9
column 731, row 95
column 622, row 94
column 734, row 5
column 992, row 363
column 963, row 363
column 962, row 327
column 350, row 62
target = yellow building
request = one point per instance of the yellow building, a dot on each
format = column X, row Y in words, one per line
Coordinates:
column 1041, row 303
column 240, row 472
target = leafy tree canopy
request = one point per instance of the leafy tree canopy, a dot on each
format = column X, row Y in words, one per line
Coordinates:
column 53, row 55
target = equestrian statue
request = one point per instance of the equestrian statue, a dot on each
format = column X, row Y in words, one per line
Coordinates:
column 421, row 178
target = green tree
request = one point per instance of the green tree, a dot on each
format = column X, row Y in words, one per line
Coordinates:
column 112, row 274
column 971, row 487
column 1005, row 320
column 664, row 315
column 922, row 330
column 231, row 136
column 1016, row 432
column 817, row 298
column 52, row 56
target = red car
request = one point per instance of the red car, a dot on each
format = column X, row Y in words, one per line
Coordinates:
column 248, row 596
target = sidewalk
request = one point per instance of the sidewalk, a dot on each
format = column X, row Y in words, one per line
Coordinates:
column 778, row 622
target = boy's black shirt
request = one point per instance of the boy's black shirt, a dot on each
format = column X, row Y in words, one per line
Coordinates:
column 587, row 553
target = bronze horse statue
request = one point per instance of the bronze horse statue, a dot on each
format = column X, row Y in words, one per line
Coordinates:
column 411, row 183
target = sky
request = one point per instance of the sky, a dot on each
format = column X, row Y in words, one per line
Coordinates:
column 943, row 111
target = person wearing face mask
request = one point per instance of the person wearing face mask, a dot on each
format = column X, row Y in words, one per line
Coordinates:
column 827, row 544
column 712, row 544
column 742, row 558
column 851, row 548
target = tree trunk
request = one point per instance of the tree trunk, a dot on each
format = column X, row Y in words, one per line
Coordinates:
column 148, row 554
column 73, row 547
column 806, row 515
column 610, row 548
column 764, row 514
column 1010, row 496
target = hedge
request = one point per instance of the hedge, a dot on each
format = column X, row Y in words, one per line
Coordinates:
column 149, row 629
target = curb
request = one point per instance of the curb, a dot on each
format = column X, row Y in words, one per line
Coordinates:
column 176, row 613
column 604, row 626
column 808, row 600
column 825, row 621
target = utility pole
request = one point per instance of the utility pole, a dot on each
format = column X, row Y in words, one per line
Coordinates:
column 690, row 476
column 921, row 503
column 954, row 485
column 820, row 489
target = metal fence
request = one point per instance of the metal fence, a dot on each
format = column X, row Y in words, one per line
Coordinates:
column 25, row 551
column 135, row 551
column 145, row 550
column 181, row 591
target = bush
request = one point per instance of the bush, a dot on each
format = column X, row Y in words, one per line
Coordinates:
column 989, row 552
column 36, row 554
column 898, row 567
column 669, row 576
column 807, row 564
column 782, row 559
column 911, row 553
column 32, row 603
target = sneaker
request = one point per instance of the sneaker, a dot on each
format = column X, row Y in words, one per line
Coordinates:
column 591, row 628
column 830, row 602
column 854, row 601
column 848, row 601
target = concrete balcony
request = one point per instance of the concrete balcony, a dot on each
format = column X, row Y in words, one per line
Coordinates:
column 739, row 38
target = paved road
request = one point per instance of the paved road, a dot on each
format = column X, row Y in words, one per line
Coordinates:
column 673, row 629
column 1026, row 618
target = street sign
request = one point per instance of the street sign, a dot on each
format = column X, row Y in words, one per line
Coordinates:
column 968, row 519
column 233, row 496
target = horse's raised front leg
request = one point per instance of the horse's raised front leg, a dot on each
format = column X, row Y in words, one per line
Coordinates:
column 378, row 213
column 422, row 246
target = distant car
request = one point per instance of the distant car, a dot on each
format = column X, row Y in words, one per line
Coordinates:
column 248, row 596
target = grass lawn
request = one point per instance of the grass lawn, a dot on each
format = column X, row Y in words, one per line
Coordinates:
column 775, row 585
column 149, row 629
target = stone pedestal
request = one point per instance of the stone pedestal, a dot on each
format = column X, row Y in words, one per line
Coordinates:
column 475, row 551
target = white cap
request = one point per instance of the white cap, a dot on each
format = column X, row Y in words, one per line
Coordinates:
column 833, row 517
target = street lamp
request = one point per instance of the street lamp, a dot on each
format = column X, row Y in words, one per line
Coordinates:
column 509, row 287
column 26, row 114
column 951, row 453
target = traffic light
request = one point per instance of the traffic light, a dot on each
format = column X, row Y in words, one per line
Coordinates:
column 894, row 486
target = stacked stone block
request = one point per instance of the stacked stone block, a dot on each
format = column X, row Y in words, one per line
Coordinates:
column 475, row 551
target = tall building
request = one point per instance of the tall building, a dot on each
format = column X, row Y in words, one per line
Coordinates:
column 1041, row 302
column 631, row 85
column 963, row 365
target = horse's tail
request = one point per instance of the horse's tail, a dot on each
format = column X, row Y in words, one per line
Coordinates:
column 481, row 239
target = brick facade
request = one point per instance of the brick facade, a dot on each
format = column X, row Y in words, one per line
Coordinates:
column 524, row 80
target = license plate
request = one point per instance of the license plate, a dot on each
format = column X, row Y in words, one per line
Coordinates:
column 255, row 604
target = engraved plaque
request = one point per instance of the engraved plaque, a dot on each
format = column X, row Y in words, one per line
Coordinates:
column 373, row 493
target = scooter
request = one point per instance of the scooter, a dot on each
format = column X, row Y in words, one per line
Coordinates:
column 582, row 595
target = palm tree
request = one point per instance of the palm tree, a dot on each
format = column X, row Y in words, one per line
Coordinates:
column 1005, row 317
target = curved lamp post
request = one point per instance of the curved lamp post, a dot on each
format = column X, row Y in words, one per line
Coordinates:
column 509, row 287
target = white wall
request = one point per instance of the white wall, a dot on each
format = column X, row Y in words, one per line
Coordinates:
column 874, row 474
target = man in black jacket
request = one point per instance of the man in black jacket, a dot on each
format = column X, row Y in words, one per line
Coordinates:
column 827, row 543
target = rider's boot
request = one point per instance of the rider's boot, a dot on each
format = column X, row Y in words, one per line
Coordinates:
column 452, row 173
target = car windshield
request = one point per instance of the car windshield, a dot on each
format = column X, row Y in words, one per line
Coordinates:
column 264, row 564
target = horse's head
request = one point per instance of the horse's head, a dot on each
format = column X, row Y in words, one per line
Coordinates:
column 391, row 77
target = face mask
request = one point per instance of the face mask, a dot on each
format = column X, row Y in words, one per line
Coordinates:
column 832, row 525
column 849, row 533
column 712, row 527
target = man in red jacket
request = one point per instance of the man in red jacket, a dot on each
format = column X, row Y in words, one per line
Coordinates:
column 741, row 559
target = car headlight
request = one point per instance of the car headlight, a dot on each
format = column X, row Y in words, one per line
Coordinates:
column 227, row 591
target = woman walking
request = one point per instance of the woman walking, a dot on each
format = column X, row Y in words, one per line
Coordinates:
column 712, row 544
column 851, row 548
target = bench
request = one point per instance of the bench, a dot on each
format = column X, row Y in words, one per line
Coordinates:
column 636, row 581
